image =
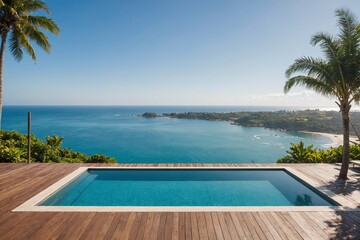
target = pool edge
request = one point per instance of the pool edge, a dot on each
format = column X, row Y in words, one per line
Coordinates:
column 31, row 204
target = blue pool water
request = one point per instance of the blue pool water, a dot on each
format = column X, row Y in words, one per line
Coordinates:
column 180, row 187
column 117, row 131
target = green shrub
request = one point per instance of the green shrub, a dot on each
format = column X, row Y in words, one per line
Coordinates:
column 298, row 153
column 97, row 158
column 13, row 148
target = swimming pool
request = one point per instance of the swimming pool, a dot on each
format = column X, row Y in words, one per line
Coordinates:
column 186, row 187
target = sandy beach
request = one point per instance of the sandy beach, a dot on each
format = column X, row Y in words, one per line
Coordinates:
column 337, row 139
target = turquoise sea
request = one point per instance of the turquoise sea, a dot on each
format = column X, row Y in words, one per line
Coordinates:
column 117, row 131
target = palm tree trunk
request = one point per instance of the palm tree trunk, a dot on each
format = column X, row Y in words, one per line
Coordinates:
column 346, row 155
column 2, row 52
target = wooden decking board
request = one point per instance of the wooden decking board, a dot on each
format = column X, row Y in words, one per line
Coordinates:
column 162, row 227
column 262, row 226
column 105, row 225
column 217, row 227
column 253, row 226
column 175, row 227
column 232, row 229
column 210, row 226
column 318, row 227
column 142, row 226
column 238, row 227
column 125, row 233
column 194, row 228
column 295, row 222
column 276, row 225
column 154, row 226
column 119, row 226
column 62, row 226
column 168, row 226
column 113, row 226
column 224, row 226
column 245, row 227
column 135, row 227
column 275, row 235
column 320, row 223
column 148, row 226
column 19, row 182
column 285, row 226
column 182, row 226
column 202, row 226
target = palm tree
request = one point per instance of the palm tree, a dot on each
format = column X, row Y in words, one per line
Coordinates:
column 18, row 23
column 54, row 141
column 337, row 75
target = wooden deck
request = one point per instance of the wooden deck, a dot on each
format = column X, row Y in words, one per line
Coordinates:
column 19, row 182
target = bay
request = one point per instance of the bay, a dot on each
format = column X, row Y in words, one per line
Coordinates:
column 117, row 131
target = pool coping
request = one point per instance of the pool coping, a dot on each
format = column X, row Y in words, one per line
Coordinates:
column 31, row 204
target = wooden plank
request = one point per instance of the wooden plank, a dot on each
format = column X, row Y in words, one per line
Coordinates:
column 125, row 234
column 188, row 234
column 202, row 226
column 210, row 226
column 182, row 229
column 315, row 225
column 262, row 226
column 75, row 230
column 154, row 226
column 175, row 227
column 237, row 225
column 120, row 225
column 135, row 227
column 217, row 226
column 224, row 228
column 251, row 220
column 93, row 228
column 161, row 228
column 269, row 225
column 168, row 225
column 142, row 225
column 194, row 227
column 288, row 229
column 231, row 226
column 148, row 226
column 244, row 226
column 113, row 225
column 294, row 223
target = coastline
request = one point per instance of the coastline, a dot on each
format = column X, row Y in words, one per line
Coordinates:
column 336, row 139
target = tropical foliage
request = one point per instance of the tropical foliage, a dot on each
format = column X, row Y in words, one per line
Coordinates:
column 299, row 153
column 14, row 149
column 21, row 26
column 337, row 75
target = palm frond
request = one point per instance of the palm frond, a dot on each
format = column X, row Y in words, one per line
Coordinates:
column 309, row 82
column 35, row 35
column 328, row 44
column 348, row 30
column 30, row 6
column 44, row 22
column 15, row 46
column 309, row 65
column 25, row 43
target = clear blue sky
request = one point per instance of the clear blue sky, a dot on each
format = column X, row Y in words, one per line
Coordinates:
column 171, row 52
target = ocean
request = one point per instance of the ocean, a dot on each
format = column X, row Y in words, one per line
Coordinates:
column 117, row 131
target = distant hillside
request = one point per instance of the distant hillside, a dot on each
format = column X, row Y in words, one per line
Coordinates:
column 306, row 120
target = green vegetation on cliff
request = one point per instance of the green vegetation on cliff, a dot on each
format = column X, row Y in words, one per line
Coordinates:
column 299, row 153
column 13, row 148
column 304, row 120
